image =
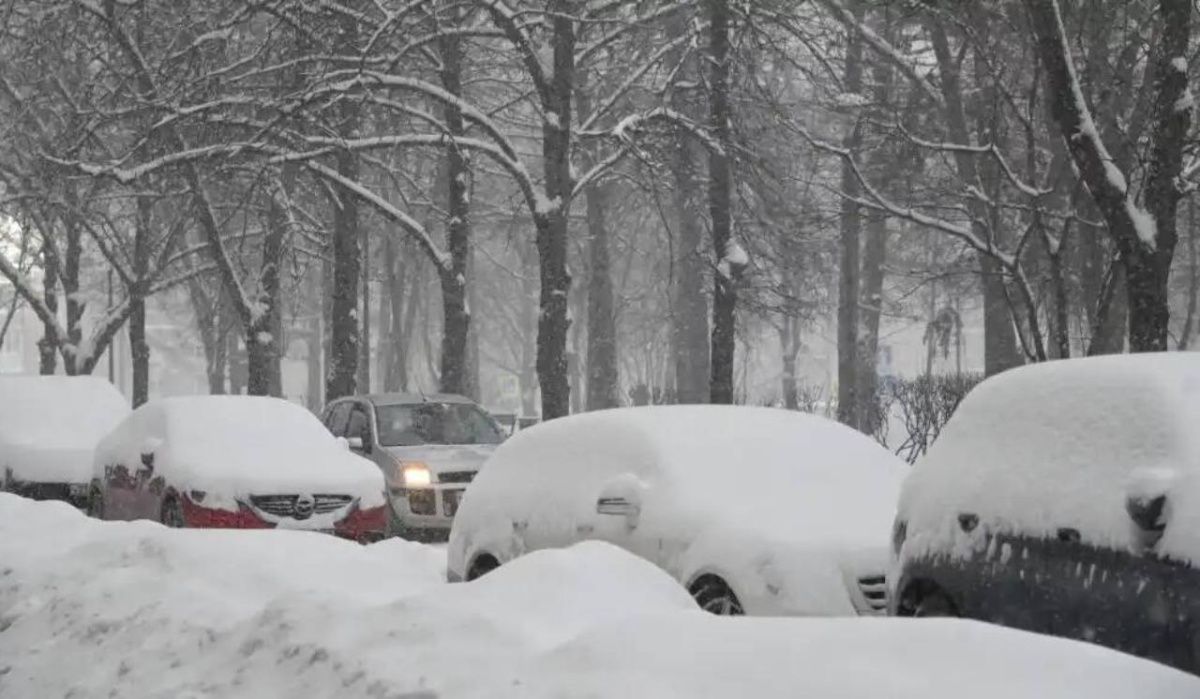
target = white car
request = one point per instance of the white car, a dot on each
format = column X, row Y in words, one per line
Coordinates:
column 754, row 510
column 49, row 426
column 237, row 462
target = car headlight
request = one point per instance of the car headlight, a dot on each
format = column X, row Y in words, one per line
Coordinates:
column 416, row 474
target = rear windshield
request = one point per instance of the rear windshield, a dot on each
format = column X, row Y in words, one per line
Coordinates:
column 435, row 423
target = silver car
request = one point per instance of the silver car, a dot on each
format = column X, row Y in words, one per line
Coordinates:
column 429, row 448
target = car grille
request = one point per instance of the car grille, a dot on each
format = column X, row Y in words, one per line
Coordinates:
column 456, row 477
column 874, row 588
column 285, row 505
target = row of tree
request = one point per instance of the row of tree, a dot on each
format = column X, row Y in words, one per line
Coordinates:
column 719, row 174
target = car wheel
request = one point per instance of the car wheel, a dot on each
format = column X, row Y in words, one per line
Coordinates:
column 482, row 565
column 95, row 503
column 935, row 604
column 716, row 597
column 172, row 514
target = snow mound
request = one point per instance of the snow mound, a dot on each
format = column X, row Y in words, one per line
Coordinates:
column 116, row 609
column 50, row 424
column 694, row 657
column 1063, row 444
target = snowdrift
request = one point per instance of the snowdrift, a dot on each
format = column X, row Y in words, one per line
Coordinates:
column 115, row 609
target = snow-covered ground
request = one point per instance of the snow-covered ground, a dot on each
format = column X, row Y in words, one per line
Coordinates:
column 112, row 609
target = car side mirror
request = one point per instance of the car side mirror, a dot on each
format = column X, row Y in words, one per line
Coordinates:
column 1146, row 502
column 355, row 444
column 1147, row 512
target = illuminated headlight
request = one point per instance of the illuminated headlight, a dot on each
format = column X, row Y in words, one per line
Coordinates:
column 416, row 474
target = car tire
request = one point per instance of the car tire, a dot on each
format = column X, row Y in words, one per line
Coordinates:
column 172, row 514
column 935, row 603
column 95, row 503
column 714, row 596
column 483, row 564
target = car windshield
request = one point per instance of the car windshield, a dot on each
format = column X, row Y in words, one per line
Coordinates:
column 435, row 423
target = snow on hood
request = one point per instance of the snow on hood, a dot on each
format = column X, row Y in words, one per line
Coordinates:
column 239, row 445
column 1062, row 444
column 133, row 609
column 50, row 424
column 441, row 458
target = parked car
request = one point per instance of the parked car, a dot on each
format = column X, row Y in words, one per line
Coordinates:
column 49, row 426
column 429, row 448
column 754, row 510
column 236, row 462
column 1064, row 498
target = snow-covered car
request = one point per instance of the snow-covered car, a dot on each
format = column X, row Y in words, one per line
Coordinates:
column 429, row 448
column 754, row 510
column 237, row 462
column 1064, row 498
column 49, row 426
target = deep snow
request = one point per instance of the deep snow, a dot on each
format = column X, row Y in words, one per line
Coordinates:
column 114, row 609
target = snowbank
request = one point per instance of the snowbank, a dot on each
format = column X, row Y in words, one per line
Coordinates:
column 50, row 424
column 1062, row 444
column 782, row 505
column 115, row 609
column 228, row 446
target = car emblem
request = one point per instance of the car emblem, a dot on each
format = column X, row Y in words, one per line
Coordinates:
column 304, row 506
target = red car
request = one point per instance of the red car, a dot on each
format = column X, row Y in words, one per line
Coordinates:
column 237, row 462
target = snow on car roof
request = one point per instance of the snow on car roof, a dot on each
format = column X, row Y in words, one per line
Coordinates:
column 58, row 411
column 224, row 444
column 777, row 471
column 1061, row 444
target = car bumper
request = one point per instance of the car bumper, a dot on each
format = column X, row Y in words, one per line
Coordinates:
column 362, row 525
column 429, row 509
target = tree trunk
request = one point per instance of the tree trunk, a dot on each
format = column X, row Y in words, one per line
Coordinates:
column 48, row 344
column 456, row 318
column 75, row 305
column 871, row 292
column 342, row 367
column 848, row 410
column 396, row 374
column 1193, row 296
column 602, row 377
column 139, row 348
column 552, row 225
column 364, row 343
column 527, row 312
column 720, row 204
column 689, row 303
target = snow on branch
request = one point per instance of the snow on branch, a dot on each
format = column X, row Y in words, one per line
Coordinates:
column 440, row 258
column 879, row 202
column 885, row 49
column 990, row 150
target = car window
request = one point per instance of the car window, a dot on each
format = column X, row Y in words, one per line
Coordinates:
column 359, row 424
column 435, row 423
column 336, row 421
